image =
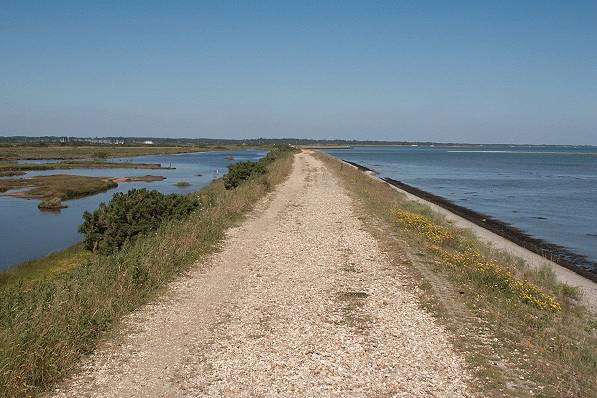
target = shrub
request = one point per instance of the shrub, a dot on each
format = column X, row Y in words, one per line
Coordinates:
column 101, row 155
column 51, row 204
column 277, row 152
column 129, row 214
column 242, row 171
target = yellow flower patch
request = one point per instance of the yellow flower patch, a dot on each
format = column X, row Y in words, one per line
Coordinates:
column 490, row 271
column 425, row 226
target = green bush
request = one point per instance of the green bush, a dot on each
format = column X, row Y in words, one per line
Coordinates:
column 101, row 155
column 277, row 152
column 51, row 204
column 242, row 171
column 129, row 214
column 183, row 184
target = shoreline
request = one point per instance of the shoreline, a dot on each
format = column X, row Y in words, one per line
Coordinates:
column 550, row 251
column 559, row 255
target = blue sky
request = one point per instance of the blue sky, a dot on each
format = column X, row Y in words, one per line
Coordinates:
column 478, row 71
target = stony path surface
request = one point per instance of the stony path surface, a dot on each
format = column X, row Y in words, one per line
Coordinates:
column 300, row 302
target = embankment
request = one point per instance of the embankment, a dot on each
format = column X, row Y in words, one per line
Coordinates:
column 523, row 326
column 48, row 323
column 570, row 267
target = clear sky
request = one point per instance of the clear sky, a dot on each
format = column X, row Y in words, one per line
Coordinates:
column 475, row 71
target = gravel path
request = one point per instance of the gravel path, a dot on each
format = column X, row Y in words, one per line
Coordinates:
column 300, row 302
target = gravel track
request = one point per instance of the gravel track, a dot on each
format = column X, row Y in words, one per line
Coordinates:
column 300, row 301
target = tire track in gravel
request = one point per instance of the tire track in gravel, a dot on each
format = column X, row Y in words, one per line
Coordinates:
column 300, row 301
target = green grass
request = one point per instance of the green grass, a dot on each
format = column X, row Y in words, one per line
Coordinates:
column 10, row 173
column 44, row 267
column 14, row 152
column 62, row 186
column 51, row 204
column 513, row 345
column 13, row 167
column 48, row 323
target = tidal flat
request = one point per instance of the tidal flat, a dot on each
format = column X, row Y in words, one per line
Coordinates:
column 65, row 186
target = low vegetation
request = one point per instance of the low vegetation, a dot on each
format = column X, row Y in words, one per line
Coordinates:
column 131, row 214
column 61, row 186
column 145, row 178
column 243, row 171
column 47, row 324
column 11, row 173
column 522, row 332
column 460, row 251
column 53, row 189
column 22, row 152
column 13, row 167
column 27, row 273
column 182, row 184
column 51, row 204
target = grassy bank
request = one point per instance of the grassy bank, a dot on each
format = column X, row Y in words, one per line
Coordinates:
column 20, row 168
column 21, row 152
column 522, row 332
column 62, row 186
column 47, row 324
column 55, row 263
column 67, row 186
column 10, row 173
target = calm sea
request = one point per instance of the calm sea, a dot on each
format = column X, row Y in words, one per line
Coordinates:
column 26, row 232
column 548, row 192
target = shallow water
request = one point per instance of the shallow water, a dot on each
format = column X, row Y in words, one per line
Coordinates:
column 548, row 192
column 26, row 232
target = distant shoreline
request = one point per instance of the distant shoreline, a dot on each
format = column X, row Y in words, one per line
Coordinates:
column 550, row 251
column 438, row 145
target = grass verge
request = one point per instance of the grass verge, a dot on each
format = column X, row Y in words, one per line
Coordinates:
column 521, row 331
column 47, row 324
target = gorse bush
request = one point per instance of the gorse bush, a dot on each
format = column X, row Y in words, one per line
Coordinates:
column 129, row 214
column 243, row 171
column 278, row 152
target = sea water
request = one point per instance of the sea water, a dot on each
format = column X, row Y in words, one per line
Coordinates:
column 27, row 233
column 550, row 192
